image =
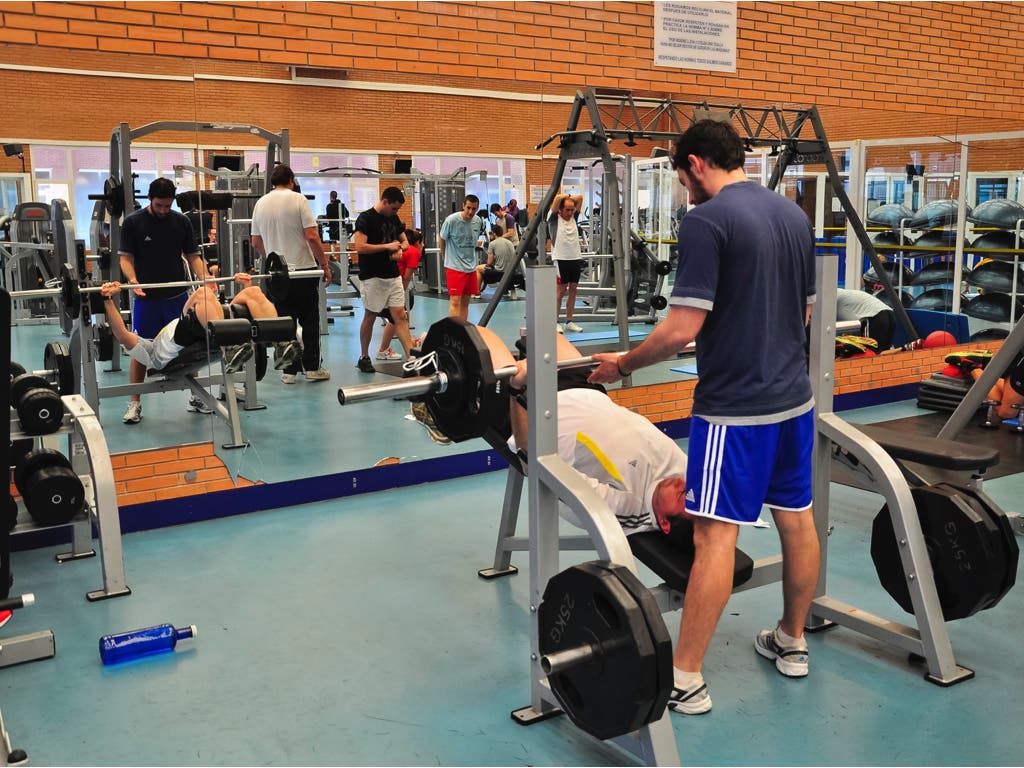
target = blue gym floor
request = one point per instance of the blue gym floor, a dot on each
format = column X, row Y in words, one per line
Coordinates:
column 357, row 632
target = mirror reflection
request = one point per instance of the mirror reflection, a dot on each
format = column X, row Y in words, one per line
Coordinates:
column 943, row 216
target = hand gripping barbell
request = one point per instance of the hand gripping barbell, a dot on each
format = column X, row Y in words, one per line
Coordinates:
column 277, row 276
column 466, row 395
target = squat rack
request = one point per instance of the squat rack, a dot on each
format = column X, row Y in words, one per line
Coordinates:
column 619, row 115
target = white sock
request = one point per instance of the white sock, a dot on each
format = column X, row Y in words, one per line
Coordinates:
column 786, row 641
column 687, row 681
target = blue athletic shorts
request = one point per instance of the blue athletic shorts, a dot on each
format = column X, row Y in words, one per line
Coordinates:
column 734, row 470
column 149, row 317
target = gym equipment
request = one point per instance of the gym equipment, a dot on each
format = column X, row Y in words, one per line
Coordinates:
column 972, row 562
column 890, row 215
column 277, row 276
column 935, row 299
column 998, row 307
column 938, row 272
column 605, row 649
column 995, row 275
column 939, row 242
column 937, row 213
column 995, row 245
column 896, row 272
column 39, row 408
column 465, row 395
column 53, row 493
column 997, row 212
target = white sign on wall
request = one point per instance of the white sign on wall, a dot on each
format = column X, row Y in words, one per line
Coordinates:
column 696, row 35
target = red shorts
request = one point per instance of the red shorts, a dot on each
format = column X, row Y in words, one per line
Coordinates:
column 461, row 283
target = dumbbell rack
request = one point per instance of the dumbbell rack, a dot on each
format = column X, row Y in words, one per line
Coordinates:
column 90, row 460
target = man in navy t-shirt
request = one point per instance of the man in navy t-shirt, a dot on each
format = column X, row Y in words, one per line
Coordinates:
column 743, row 290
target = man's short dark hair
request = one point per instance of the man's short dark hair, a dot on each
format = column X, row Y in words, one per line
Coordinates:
column 497, row 230
column 393, row 195
column 281, row 175
column 714, row 141
column 161, row 188
column 471, row 199
column 495, row 208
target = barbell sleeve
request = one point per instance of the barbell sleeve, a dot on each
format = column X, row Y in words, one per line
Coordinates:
column 586, row 653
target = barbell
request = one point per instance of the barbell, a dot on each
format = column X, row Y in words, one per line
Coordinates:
column 277, row 276
column 465, row 395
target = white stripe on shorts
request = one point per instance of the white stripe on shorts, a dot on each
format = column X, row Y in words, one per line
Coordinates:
column 712, row 474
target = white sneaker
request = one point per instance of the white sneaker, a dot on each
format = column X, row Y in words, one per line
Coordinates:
column 288, row 378
column 134, row 413
column 792, row 661
column 558, row 328
column 571, row 327
column 696, row 701
column 388, row 354
column 195, row 405
column 513, row 295
column 320, row 374
column 418, row 342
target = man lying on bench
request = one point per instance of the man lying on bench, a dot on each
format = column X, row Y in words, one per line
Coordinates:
column 202, row 307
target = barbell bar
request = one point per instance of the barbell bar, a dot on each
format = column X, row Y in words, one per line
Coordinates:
column 70, row 291
column 436, row 383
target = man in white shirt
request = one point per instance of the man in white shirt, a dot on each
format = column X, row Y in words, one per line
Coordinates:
column 283, row 223
column 564, row 247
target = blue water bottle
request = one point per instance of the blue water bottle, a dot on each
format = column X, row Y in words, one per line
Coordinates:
column 126, row 646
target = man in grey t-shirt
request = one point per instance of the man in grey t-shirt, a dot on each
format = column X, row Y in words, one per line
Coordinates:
column 501, row 255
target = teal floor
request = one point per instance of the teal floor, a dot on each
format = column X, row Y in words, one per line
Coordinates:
column 357, row 632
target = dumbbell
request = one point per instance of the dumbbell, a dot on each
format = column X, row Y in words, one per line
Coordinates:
column 39, row 406
column 53, row 493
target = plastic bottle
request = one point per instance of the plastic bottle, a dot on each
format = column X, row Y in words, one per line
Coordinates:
column 126, row 646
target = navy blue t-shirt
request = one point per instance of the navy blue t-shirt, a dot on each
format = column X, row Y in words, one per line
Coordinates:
column 747, row 256
column 157, row 245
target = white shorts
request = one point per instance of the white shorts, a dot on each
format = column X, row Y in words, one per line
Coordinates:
column 379, row 293
column 157, row 353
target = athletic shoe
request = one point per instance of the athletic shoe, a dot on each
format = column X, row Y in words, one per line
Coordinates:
column 512, row 295
column 237, row 357
column 195, row 405
column 422, row 415
column 417, row 343
column 571, row 327
column 558, row 328
column 690, row 702
column 365, row 365
column 320, row 374
column 5, row 616
column 286, row 353
column 134, row 413
column 288, row 378
column 792, row 662
column 388, row 354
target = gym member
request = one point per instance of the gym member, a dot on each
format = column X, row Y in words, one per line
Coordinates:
column 190, row 327
column 1007, row 393
column 153, row 241
column 500, row 255
column 743, row 289
column 457, row 241
column 564, row 247
column 877, row 321
column 283, row 223
column 407, row 267
column 380, row 241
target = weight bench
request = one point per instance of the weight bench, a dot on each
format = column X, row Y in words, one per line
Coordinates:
column 670, row 556
column 240, row 329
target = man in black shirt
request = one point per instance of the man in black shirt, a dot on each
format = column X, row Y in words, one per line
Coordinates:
column 379, row 241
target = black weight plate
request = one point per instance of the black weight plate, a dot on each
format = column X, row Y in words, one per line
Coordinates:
column 70, row 296
column 276, row 285
column 23, row 383
column 10, row 514
column 475, row 398
column 1006, row 538
column 113, row 196
column 20, row 449
column 16, row 370
column 36, row 460
column 40, row 411
column 54, row 495
column 57, row 358
column 659, row 302
column 958, row 547
column 614, row 693
column 995, row 567
column 104, row 343
column 663, row 268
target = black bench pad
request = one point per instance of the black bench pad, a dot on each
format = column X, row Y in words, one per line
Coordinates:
column 931, row 451
column 671, row 556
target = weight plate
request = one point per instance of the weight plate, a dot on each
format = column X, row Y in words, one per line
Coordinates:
column 959, row 548
column 70, row 296
column 16, row 370
column 617, row 690
column 54, row 495
column 104, row 343
column 261, row 361
column 276, row 286
column 663, row 268
column 57, row 358
column 36, row 460
column 23, row 383
column 113, row 195
column 40, row 411
column 1006, row 542
column 475, row 398
column 659, row 302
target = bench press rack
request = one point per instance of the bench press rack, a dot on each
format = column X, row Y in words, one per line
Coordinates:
column 90, row 460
